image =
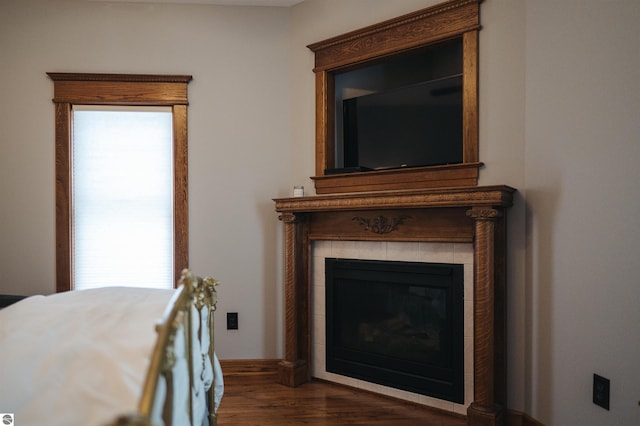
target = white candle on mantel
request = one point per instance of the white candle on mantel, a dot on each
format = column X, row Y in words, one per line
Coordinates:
column 298, row 191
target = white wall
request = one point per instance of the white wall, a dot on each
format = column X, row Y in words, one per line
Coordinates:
column 559, row 102
column 239, row 140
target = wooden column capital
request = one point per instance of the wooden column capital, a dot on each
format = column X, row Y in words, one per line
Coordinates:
column 484, row 213
column 288, row 217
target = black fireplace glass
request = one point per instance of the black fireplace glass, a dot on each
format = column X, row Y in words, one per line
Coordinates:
column 399, row 324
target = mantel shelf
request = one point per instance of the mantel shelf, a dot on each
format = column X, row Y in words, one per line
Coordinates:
column 491, row 196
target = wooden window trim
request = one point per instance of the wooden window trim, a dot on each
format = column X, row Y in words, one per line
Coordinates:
column 118, row 89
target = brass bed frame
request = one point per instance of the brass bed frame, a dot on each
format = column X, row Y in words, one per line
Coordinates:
column 177, row 344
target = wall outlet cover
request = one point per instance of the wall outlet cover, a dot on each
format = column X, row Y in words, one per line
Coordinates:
column 601, row 390
column 232, row 320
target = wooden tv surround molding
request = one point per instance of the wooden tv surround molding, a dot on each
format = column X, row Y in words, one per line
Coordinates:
column 451, row 19
column 419, row 204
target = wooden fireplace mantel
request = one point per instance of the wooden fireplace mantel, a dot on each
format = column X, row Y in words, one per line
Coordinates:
column 462, row 214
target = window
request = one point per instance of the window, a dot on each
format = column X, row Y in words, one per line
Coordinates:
column 121, row 179
column 122, row 212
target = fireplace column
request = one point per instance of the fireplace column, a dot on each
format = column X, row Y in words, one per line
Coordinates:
column 294, row 369
column 484, row 411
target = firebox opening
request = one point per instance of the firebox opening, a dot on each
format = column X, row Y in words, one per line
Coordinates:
column 398, row 324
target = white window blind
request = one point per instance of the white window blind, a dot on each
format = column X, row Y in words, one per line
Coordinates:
column 122, row 189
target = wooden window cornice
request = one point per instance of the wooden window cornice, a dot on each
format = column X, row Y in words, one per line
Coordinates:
column 120, row 89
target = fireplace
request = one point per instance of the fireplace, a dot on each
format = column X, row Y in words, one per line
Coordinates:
column 460, row 215
column 397, row 324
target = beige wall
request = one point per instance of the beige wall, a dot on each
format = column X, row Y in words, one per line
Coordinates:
column 239, row 140
column 559, row 121
column 583, row 228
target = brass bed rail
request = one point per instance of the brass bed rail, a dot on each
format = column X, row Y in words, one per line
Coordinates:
column 164, row 391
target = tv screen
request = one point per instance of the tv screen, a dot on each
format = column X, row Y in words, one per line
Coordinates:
column 410, row 126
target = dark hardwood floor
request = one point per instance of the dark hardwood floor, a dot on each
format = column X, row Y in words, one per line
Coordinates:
column 257, row 400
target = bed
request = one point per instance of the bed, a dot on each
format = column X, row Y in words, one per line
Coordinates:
column 112, row 356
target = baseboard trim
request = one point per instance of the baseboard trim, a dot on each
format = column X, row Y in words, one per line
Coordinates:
column 235, row 367
column 243, row 367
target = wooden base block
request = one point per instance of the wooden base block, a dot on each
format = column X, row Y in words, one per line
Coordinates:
column 480, row 415
column 293, row 374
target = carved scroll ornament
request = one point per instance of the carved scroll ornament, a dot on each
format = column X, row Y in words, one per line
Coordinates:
column 381, row 224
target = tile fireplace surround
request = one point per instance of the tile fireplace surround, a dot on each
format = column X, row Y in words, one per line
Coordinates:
column 466, row 219
column 456, row 253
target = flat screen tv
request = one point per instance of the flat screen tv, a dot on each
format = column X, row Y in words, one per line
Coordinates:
column 410, row 126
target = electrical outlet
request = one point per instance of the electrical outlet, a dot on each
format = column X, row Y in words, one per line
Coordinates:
column 232, row 320
column 601, row 388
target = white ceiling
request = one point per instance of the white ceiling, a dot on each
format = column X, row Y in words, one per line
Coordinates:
column 277, row 3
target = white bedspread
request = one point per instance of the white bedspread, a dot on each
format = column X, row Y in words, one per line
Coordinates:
column 77, row 358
